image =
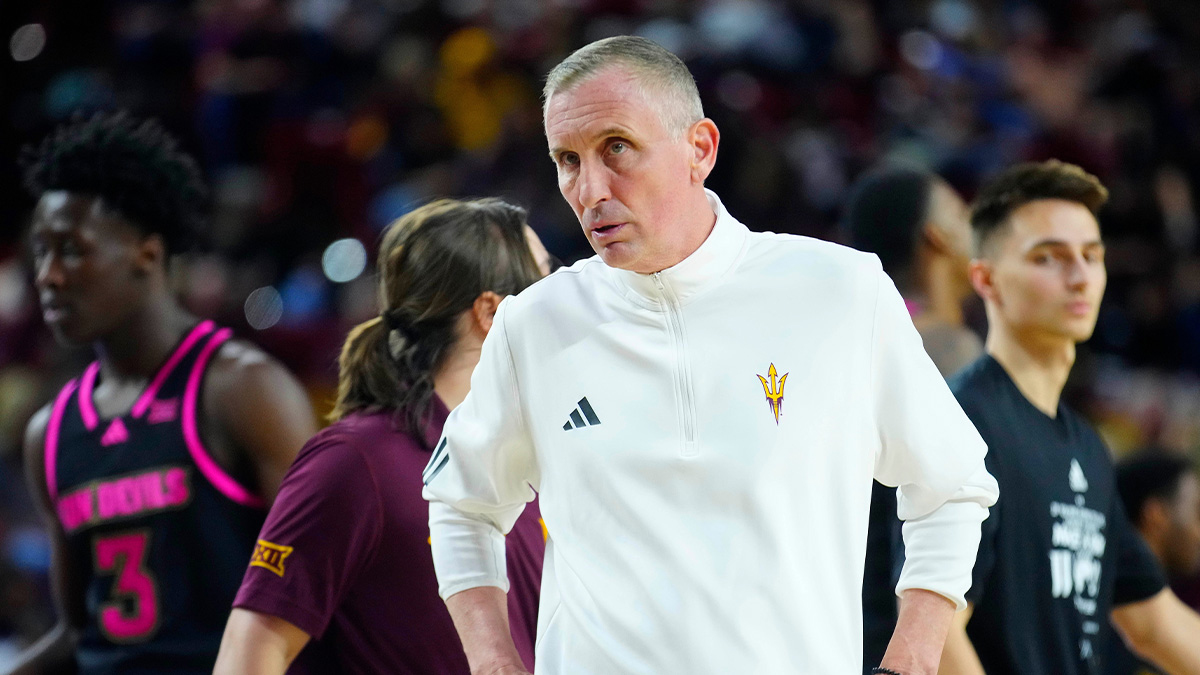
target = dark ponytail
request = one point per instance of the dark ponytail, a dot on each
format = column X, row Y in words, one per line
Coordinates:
column 433, row 263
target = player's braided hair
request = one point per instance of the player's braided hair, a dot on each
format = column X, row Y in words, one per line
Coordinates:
column 433, row 263
column 134, row 166
column 1028, row 182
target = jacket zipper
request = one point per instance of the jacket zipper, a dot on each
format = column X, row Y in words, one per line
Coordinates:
column 683, row 379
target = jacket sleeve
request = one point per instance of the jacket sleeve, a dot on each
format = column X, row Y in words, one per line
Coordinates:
column 479, row 477
column 930, row 451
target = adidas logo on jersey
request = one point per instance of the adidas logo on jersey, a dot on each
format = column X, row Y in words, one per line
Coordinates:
column 436, row 463
column 1077, row 479
column 115, row 434
column 580, row 414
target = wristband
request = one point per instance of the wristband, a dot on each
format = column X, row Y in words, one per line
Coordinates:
column 883, row 671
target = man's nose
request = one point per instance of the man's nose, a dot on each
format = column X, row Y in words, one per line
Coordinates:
column 593, row 184
column 1077, row 273
column 49, row 271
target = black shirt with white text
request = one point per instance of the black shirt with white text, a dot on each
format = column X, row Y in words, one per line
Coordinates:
column 1057, row 552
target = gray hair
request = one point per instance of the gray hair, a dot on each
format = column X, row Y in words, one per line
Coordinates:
column 662, row 78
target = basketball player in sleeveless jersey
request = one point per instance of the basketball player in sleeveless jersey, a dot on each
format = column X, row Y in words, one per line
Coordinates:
column 155, row 465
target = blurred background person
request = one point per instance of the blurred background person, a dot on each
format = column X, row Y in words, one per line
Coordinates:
column 1058, row 558
column 918, row 226
column 153, row 469
column 1161, row 494
column 343, row 570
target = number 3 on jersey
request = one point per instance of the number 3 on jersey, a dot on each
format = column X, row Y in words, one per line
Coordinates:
column 131, row 614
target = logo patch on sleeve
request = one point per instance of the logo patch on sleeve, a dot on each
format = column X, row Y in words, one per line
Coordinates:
column 270, row 556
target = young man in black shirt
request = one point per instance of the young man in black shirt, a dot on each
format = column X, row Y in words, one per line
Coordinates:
column 1058, row 557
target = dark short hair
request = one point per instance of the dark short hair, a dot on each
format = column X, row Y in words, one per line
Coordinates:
column 134, row 166
column 1029, row 182
column 885, row 214
column 1149, row 475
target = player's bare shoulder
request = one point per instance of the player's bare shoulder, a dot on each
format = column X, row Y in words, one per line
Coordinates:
column 34, row 446
column 244, row 375
column 237, row 359
column 258, row 410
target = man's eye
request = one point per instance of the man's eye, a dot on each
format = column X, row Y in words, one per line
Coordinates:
column 568, row 159
column 617, row 148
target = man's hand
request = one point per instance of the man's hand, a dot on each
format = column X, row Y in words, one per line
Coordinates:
column 481, row 619
column 1162, row 630
column 959, row 656
column 916, row 645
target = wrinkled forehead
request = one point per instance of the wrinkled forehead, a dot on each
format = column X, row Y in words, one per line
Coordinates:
column 612, row 95
column 615, row 76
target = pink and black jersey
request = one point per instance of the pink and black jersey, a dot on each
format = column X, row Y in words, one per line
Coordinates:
column 158, row 535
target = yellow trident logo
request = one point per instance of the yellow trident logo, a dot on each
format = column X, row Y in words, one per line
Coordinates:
column 774, row 395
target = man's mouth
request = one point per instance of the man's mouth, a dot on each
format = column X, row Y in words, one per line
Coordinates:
column 54, row 314
column 54, row 311
column 606, row 230
column 1079, row 308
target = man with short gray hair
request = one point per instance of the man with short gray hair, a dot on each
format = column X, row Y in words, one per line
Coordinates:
column 661, row 78
column 702, row 410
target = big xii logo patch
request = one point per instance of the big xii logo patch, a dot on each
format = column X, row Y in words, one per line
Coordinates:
column 773, row 388
column 270, row 556
column 1078, row 542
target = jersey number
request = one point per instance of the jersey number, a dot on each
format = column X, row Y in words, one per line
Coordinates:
column 131, row 614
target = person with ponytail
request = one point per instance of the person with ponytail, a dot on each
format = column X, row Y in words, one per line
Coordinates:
column 342, row 579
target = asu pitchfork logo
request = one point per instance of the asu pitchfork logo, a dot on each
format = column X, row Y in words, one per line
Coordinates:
column 773, row 388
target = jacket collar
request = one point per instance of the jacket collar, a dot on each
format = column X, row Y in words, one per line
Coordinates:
column 695, row 273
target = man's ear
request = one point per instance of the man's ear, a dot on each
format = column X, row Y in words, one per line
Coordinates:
column 982, row 277
column 151, row 254
column 703, row 137
column 1155, row 518
column 483, row 311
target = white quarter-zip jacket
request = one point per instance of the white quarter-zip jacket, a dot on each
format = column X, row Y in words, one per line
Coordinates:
column 703, row 441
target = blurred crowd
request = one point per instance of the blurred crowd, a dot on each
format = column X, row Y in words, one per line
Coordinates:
column 320, row 121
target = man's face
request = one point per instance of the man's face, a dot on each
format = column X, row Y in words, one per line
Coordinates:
column 621, row 171
column 1043, row 275
column 1182, row 550
column 86, row 264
